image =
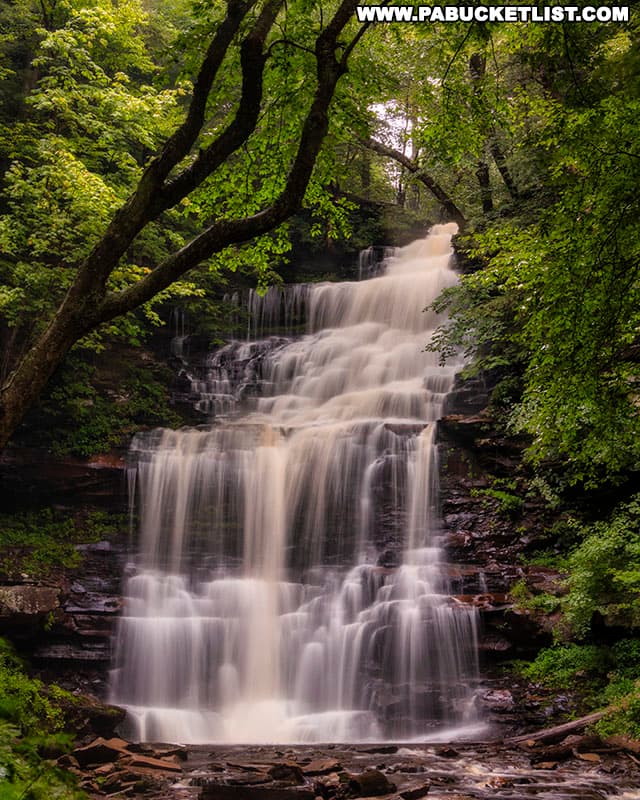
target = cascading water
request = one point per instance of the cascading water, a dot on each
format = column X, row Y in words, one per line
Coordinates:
column 290, row 586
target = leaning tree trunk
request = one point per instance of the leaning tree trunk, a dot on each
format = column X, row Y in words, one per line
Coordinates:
column 88, row 302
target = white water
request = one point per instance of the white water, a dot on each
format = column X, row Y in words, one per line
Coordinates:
column 290, row 586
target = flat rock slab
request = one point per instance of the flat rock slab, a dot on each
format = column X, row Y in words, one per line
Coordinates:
column 321, row 766
column 153, row 763
column 101, row 751
column 28, row 601
column 220, row 791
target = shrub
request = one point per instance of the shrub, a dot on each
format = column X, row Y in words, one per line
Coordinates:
column 605, row 572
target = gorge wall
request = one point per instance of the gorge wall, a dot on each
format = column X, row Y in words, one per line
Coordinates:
column 66, row 623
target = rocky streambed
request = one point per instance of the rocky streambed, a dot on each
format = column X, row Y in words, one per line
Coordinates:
column 577, row 768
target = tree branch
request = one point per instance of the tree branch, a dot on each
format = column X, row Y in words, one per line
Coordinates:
column 432, row 185
column 131, row 218
column 252, row 60
column 224, row 233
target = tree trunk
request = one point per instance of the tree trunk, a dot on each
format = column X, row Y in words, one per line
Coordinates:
column 558, row 732
column 26, row 382
column 501, row 163
column 482, row 173
column 88, row 303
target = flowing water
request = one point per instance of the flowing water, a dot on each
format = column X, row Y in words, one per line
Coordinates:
column 290, row 585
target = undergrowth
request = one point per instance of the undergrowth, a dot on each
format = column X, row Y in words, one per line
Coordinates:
column 31, row 728
column 39, row 543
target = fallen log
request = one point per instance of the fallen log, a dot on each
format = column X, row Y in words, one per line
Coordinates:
column 558, row 732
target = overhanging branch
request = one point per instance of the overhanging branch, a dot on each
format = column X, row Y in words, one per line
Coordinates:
column 415, row 169
column 224, row 233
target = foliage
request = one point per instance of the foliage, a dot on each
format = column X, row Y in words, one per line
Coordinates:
column 607, row 677
column 554, row 310
column 40, row 543
column 560, row 666
column 74, row 153
column 605, row 572
column 508, row 504
column 93, row 407
column 544, row 602
column 31, row 723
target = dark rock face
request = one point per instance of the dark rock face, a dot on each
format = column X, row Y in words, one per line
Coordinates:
column 485, row 538
column 76, row 648
column 35, row 478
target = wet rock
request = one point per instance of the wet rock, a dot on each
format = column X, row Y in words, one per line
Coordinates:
column 582, row 744
column 81, row 652
column 389, row 558
column 87, row 716
column 104, row 769
column 498, row 700
column 324, row 766
column 68, row 762
column 592, row 757
column 416, row 792
column 287, row 772
column 221, row 791
column 22, row 605
column 152, row 763
column 250, row 779
column 447, row 752
column 554, row 753
column 624, row 743
column 100, row 751
column 180, row 753
column 371, row 783
column 90, row 603
column 496, row 644
column 247, row 767
column 332, row 784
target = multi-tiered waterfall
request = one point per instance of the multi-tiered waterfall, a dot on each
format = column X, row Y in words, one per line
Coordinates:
column 290, row 586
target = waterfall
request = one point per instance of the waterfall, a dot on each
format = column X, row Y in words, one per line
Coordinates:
column 290, row 585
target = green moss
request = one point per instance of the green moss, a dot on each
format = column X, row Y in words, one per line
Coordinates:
column 43, row 542
column 524, row 598
column 507, row 504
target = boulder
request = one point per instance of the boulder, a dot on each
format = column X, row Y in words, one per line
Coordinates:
column 371, row 783
column 25, row 604
column 322, row 766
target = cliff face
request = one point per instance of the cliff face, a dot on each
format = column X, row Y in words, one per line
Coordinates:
column 492, row 522
column 65, row 623
column 61, row 612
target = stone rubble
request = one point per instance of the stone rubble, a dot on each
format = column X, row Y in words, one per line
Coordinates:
column 578, row 768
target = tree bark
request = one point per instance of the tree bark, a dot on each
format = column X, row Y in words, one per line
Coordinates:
column 484, row 182
column 505, row 173
column 558, row 732
column 87, row 303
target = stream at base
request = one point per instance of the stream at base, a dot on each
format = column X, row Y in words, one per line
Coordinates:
column 290, row 585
